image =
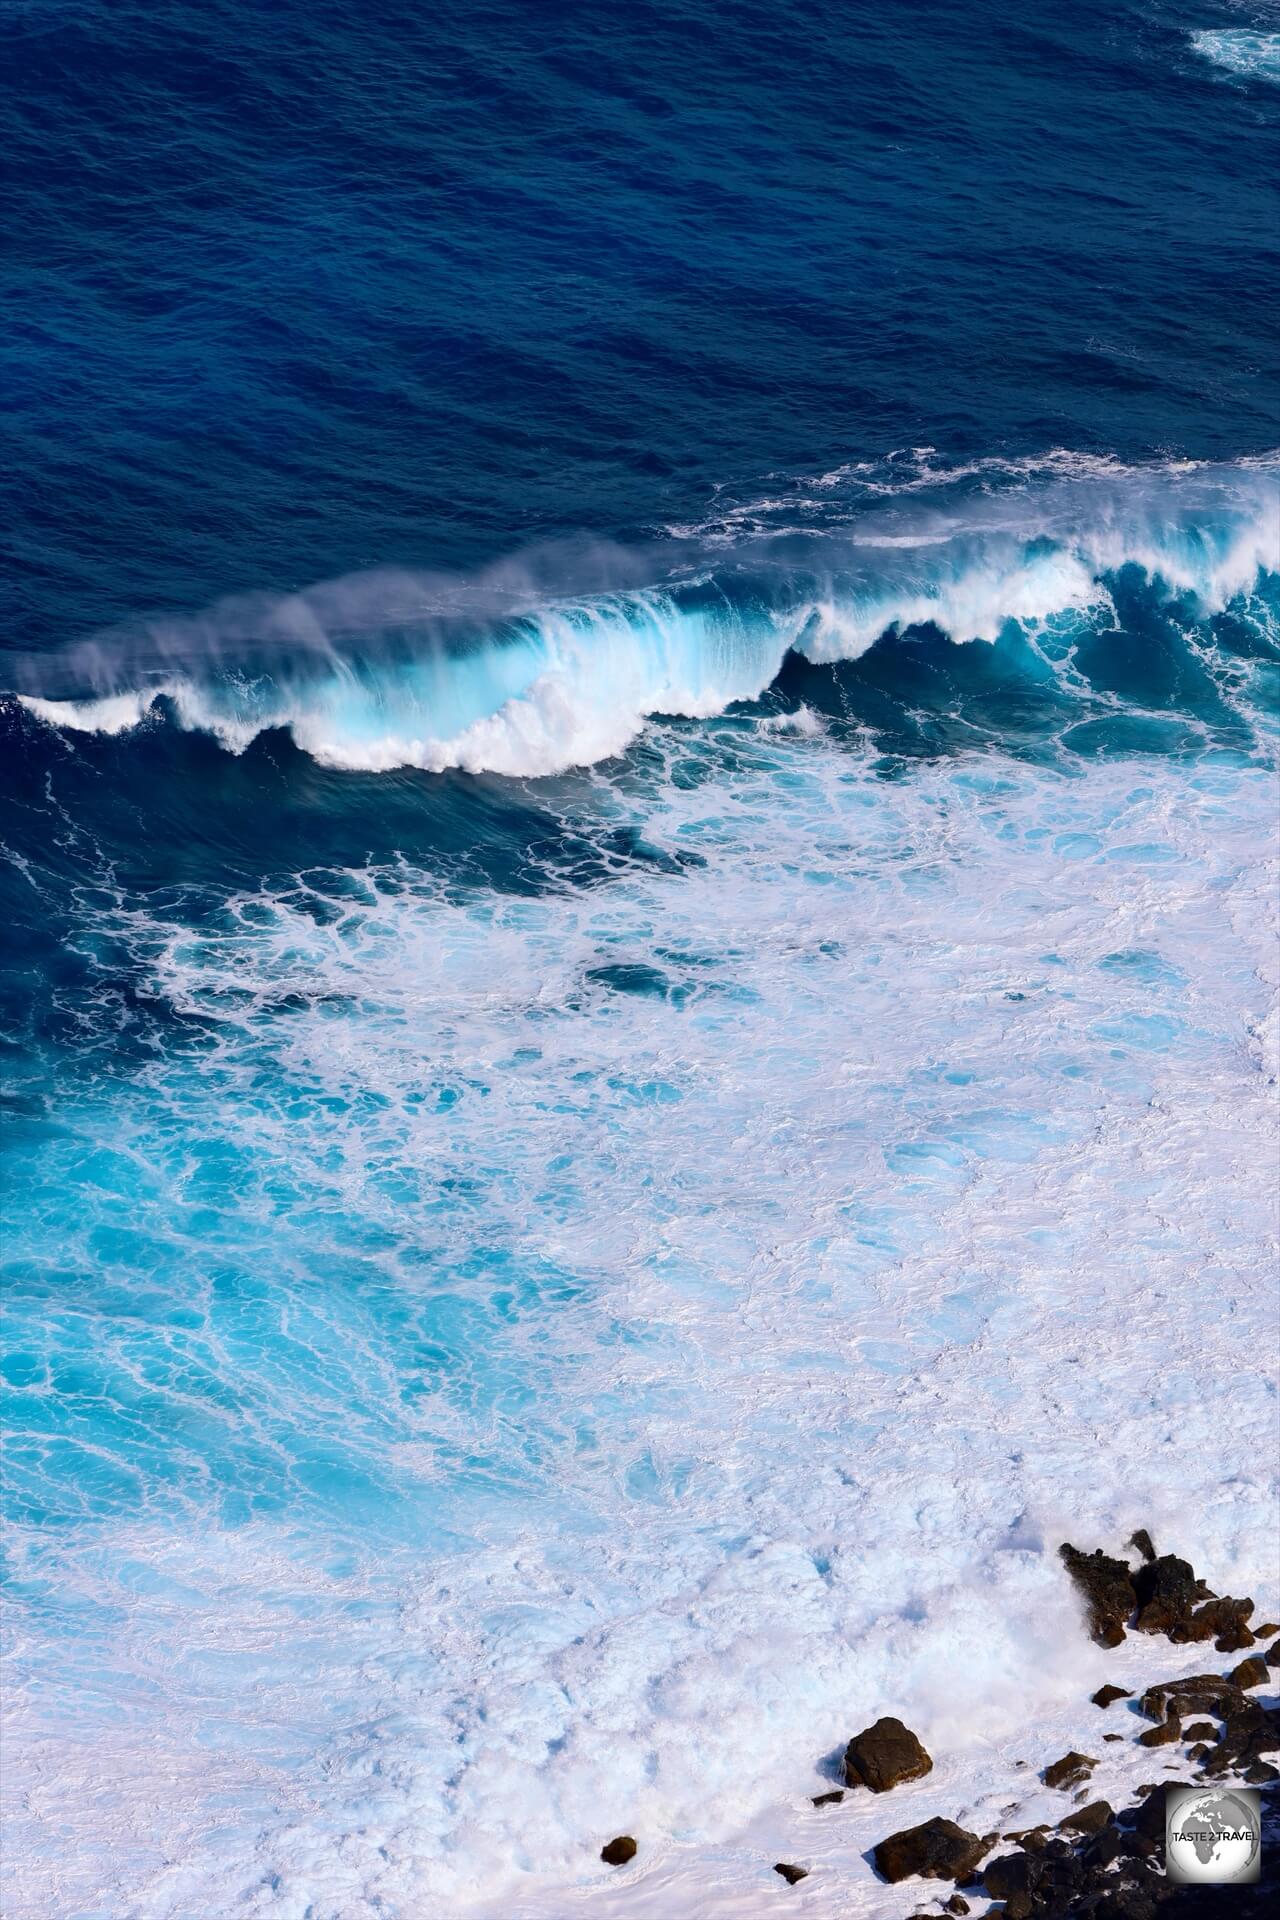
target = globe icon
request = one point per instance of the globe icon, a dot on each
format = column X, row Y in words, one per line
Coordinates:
column 1213, row 1837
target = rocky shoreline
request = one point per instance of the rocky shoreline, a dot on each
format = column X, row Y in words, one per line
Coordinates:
column 1097, row 1861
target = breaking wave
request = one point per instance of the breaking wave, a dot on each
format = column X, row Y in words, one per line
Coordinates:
column 520, row 672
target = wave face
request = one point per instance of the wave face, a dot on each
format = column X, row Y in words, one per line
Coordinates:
column 378, row 672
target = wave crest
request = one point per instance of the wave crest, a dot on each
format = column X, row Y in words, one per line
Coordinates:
column 375, row 672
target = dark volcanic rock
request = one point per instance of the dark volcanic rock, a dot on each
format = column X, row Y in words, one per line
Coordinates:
column 1196, row 1693
column 1104, row 1848
column 1010, row 1876
column 1250, row 1673
column 1225, row 1622
column 1142, row 1541
column 1090, row 1819
column 1163, row 1736
column 616, row 1853
column 1148, row 1818
column 1108, row 1591
column 1069, row 1771
column 1167, row 1593
column 831, row 1799
column 938, row 1850
column 1250, row 1732
column 1202, row 1730
column 1273, row 1655
column 1108, row 1695
column 956, row 1904
column 791, row 1874
column 884, row 1756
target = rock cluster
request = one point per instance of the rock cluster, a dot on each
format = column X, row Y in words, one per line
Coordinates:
column 1098, row 1864
column 1110, row 1872
column 1247, row 1731
column 1163, row 1595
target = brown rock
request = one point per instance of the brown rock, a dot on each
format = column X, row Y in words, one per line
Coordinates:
column 884, row 1756
column 1142, row 1541
column 1250, row 1673
column 1225, row 1623
column 616, row 1853
column 1113, row 1736
column 1273, row 1655
column 1090, row 1819
column 1202, row 1730
column 1069, row 1771
column 1266, row 1632
column 1107, row 1588
column 1108, row 1695
column 1162, row 1736
column 937, row 1850
column 956, row 1904
column 1197, row 1693
column 831, row 1799
column 1167, row 1594
column 791, row 1874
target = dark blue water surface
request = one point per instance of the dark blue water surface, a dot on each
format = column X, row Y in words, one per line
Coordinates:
column 296, row 290
column 639, row 667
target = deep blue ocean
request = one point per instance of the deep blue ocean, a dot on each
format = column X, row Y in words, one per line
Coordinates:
column 641, row 661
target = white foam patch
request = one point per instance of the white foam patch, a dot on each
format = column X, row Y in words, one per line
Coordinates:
column 1256, row 56
column 115, row 713
column 817, row 1235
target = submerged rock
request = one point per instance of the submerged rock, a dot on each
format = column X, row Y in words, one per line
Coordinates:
column 1108, row 1695
column 884, row 1756
column 616, row 1853
column 1107, row 1588
column 1069, row 1771
column 831, row 1799
column 937, row 1850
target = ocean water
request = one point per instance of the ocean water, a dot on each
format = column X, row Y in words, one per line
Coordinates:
column 641, row 988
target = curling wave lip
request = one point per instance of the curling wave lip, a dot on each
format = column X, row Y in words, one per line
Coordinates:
column 361, row 683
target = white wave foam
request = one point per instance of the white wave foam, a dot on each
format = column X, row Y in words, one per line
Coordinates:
column 794, row 1311
column 1256, row 56
column 115, row 713
column 573, row 683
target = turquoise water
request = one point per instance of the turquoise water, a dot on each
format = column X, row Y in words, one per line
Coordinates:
column 638, row 918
